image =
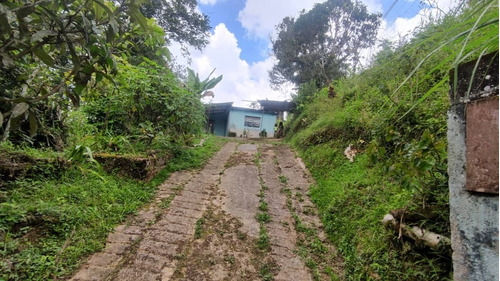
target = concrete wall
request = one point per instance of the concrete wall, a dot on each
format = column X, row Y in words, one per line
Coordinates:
column 473, row 211
column 236, row 122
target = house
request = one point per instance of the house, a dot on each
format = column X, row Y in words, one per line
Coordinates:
column 224, row 119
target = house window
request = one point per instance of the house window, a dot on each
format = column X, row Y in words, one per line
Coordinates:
column 252, row 121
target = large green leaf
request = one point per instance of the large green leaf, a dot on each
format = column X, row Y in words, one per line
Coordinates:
column 42, row 55
column 33, row 123
column 138, row 17
column 25, row 11
column 212, row 83
column 1, row 118
column 41, row 34
column 19, row 109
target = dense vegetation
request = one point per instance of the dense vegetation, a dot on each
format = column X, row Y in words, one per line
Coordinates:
column 393, row 117
column 80, row 79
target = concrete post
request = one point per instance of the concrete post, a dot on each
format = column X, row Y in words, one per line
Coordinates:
column 473, row 169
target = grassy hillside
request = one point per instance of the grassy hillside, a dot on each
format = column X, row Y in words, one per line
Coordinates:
column 49, row 221
column 393, row 117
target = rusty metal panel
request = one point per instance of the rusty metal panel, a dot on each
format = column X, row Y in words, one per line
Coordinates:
column 482, row 145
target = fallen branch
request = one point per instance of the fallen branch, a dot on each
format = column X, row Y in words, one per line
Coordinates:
column 428, row 238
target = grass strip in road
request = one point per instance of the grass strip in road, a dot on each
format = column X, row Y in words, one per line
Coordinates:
column 267, row 270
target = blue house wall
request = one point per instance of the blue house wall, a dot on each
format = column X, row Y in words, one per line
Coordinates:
column 236, row 122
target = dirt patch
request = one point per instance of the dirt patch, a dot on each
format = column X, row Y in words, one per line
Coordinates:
column 16, row 165
column 135, row 167
column 222, row 251
column 239, row 158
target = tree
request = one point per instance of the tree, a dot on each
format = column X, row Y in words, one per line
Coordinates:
column 71, row 42
column 52, row 52
column 202, row 87
column 181, row 21
column 323, row 43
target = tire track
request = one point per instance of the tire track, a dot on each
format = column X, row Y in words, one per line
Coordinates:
column 147, row 247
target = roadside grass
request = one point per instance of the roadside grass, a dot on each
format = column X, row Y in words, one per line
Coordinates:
column 48, row 225
column 392, row 116
column 353, row 197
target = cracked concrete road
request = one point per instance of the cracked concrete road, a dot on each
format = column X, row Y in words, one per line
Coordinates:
column 245, row 216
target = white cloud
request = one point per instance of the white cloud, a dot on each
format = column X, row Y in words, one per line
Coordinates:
column 260, row 17
column 242, row 81
column 208, row 2
column 403, row 27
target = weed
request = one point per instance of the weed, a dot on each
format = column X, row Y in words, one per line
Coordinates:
column 275, row 160
column 263, row 242
column 311, row 263
column 257, row 158
column 178, row 188
column 263, row 217
column 283, row 179
column 263, row 206
column 241, row 235
column 165, row 202
column 285, row 190
column 199, row 228
column 298, row 195
column 261, row 194
column 229, row 259
column 266, row 271
column 180, row 256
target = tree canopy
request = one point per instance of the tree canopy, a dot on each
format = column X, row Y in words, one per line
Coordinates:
column 324, row 43
column 52, row 53
column 181, row 21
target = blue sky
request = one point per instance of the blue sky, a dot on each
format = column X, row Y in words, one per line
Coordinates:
column 256, row 48
column 239, row 45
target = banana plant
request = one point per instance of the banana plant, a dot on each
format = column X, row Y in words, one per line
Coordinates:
column 202, row 87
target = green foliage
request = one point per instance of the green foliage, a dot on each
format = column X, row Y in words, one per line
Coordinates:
column 266, row 271
column 199, row 228
column 181, row 21
column 48, row 226
column 394, row 116
column 263, row 217
column 149, row 105
column 72, row 43
column 263, row 242
column 323, row 43
column 201, row 87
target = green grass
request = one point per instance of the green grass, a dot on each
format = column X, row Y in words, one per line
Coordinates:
column 394, row 113
column 263, row 242
column 48, row 225
column 263, row 217
column 199, row 228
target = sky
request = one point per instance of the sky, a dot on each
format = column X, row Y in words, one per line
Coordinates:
column 240, row 47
